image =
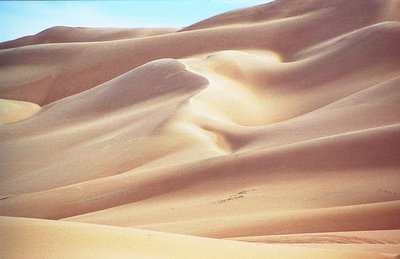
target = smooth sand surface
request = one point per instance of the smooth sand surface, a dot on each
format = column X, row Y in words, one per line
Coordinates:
column 70, row 240
column 266, row 132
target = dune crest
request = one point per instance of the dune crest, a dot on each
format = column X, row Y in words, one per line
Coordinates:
column 64, row 34
column 277, row 124
column 14, row 111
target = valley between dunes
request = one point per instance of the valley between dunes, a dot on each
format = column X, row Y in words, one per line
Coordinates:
column 265, row 132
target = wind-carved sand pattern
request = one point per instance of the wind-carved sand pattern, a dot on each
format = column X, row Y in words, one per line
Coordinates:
column 265, row 132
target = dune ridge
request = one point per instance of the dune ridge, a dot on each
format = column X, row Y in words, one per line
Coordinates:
column 271, row 131
column 64, row 34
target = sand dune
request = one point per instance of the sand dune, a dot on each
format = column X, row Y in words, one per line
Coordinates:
column 277, row 125
column 62, row 239
column 63, row 34
column 378, row 241
column 14, row 111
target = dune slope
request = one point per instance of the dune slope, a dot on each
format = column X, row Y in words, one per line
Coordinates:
column 62, row 239
column 277, row 124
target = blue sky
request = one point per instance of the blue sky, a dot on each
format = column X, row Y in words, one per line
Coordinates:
column 21, row 18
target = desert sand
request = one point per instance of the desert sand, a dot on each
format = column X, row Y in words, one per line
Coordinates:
column 265, row 132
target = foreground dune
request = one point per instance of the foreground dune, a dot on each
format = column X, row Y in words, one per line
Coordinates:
column 68, row 240
column 277, row 125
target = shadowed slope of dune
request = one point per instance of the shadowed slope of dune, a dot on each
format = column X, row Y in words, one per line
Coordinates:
column 114, row 118
column 63, row 34
column 275, row 124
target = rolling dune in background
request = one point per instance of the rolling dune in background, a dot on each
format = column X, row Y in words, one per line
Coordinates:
column 266, row 132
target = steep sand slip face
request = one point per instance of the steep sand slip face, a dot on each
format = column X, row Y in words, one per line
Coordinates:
column 40, row 238
column 276, row 124
column 115, row 118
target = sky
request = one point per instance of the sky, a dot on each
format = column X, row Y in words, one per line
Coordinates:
column 22, row 18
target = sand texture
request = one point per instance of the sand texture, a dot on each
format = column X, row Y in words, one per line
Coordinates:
column 266, row 132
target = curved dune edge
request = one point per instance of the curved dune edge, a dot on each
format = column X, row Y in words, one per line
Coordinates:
column 64, row 34
column 14, row 111
column 41, row 238
column 277, row 125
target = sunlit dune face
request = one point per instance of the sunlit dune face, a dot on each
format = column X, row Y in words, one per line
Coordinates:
column 14, row 111
column 265, row 132
column 230, row 88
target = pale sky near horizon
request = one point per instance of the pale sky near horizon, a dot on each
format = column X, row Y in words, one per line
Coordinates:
column 21, row 18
